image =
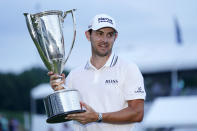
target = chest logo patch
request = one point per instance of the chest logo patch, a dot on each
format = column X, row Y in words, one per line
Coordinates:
column 111, row 81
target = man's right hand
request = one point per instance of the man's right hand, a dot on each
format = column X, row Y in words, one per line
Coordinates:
column 56, row 82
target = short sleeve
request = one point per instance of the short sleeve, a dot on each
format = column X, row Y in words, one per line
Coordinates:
column 133, row 83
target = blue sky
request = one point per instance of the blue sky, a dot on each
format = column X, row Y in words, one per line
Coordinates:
column 140, row 22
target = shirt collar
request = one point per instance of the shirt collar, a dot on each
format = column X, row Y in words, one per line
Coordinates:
column 110, row 62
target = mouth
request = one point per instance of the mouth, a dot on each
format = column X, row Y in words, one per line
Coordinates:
column 104, row 46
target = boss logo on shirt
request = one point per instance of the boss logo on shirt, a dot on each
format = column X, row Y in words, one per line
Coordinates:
column 139, row 90
column 111, row 81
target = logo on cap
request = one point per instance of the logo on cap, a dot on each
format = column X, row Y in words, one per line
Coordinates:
column 101, row 19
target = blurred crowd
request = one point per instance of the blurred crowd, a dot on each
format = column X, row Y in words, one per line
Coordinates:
column 8, row 124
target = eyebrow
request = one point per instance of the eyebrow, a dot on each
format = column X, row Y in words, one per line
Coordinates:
column 100, row 31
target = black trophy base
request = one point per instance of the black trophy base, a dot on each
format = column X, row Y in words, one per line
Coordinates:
column 61, row 117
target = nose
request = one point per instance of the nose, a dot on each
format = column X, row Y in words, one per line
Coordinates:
column 104, row 39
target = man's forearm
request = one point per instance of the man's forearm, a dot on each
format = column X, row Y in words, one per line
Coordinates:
column 133, row 113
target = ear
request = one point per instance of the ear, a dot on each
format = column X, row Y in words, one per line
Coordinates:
column 116, row 35
column 87, row 33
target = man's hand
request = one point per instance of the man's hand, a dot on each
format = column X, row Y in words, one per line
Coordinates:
column 56, row 82
column 86, row 117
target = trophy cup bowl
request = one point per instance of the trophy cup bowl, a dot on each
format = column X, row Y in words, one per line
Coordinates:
column 45, row 29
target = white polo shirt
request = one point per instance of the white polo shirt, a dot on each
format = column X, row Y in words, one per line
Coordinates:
column 107, row 90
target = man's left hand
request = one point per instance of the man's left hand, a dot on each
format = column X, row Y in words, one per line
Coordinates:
column 86, row 117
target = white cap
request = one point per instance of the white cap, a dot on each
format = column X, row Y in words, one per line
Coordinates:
column 101, row 21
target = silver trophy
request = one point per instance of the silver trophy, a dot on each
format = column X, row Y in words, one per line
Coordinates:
column 45, row 29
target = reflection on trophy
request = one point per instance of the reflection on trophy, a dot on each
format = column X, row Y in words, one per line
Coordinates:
column 45, row 29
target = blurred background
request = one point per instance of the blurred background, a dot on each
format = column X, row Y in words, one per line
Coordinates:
column 160, row 36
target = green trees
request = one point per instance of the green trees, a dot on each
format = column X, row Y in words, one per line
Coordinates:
column 15, row 88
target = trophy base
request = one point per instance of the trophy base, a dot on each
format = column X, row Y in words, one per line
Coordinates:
column 61, row 117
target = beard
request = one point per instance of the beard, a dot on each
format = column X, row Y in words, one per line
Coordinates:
column 100, row 53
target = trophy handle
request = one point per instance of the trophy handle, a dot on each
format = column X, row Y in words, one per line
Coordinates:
column 74, row 30
column 30, row 27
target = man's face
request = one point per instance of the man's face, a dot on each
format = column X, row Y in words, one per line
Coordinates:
column 102, row 41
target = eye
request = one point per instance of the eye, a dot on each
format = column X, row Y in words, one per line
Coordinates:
column 99, row 33
column 111, row 34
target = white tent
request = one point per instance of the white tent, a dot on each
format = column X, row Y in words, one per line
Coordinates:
column 176, row 111
column 156, row 58
column 38, row 120
column 159, row 58
column 41, row 91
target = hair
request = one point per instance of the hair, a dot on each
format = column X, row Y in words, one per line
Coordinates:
column 90, row 31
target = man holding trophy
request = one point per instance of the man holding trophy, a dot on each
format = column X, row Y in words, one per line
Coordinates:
column 112, row 90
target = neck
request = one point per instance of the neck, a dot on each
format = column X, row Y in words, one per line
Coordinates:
column 99, row 61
